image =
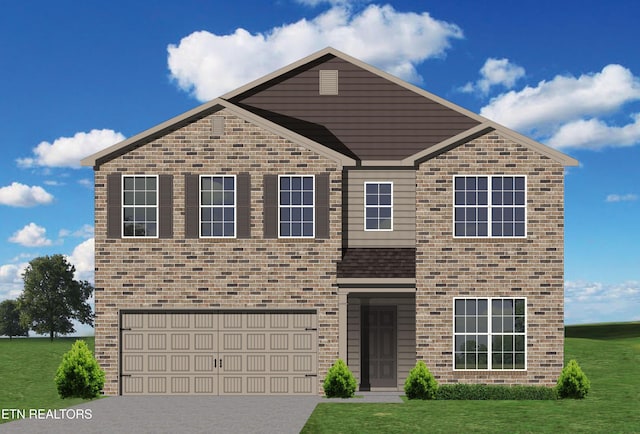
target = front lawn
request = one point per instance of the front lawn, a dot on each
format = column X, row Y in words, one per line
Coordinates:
column 27, row 368
column 611, row 360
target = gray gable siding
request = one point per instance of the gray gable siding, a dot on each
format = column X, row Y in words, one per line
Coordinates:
column 371, row 118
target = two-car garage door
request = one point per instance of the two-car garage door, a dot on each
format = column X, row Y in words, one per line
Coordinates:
column 218, row 353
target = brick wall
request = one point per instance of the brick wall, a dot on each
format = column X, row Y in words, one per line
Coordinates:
column 531, row 267
column 185, row 273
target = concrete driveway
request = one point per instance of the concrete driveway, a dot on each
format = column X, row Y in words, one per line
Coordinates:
column 183, row 414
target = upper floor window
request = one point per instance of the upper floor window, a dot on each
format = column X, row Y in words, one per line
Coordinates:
column 140, row 206
column 218, row 206
column 490, row 206
column 296, row 206
column 378, row 206
column 490, row 333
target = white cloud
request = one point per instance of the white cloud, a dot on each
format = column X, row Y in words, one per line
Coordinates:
column 495, row 72
column 551, row 104
column 10, row 273
column 83, row 258
column 31, row 235
column 595, row 134
column 68, row 151
column 22, row 195
column 208, row 65
column 622, row 198
column 590, row 302
column 314, row 3
column 53, row 183
column 11, row 283
column 86, row 182
column 86, row 231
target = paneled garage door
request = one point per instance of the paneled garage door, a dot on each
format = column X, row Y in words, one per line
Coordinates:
column 218, row 353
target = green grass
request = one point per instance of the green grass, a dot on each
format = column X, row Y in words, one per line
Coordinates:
column 604, row 331
column 608, row 353
column 27, row 368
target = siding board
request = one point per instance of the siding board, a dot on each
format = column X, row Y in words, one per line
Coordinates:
column 404, row 209
column 371, row 116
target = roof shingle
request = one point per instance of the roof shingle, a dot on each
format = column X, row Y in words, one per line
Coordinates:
column 378, row 263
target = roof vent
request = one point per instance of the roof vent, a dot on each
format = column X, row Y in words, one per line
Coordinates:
column 328, row 82
column 217, row 125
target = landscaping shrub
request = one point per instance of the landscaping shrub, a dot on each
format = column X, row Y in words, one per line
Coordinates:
column 573, row 383
column 339, row 382
column 461, row 391
column 79, row 375
column 420, row 384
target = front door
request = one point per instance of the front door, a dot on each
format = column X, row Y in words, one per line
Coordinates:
column 382, row 346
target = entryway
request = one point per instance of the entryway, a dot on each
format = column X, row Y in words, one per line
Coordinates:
column 380, row 339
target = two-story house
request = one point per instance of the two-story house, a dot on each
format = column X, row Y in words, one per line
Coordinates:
column 327, row 210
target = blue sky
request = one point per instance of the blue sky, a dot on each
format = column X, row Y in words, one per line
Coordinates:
column 78, row 76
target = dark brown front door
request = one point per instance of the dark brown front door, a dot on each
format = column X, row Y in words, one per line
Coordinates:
column 382, row 346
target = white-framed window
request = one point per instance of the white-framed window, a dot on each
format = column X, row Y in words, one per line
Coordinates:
column 296, row 206
column 490, row 334
column 217, row 206
column 490, row 206
column 378, row 206
column 140, row 206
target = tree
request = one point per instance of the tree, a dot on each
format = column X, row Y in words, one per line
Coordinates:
column 52, row 298
column 10, row 320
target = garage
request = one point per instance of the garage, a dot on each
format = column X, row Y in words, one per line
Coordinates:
column 218, row 352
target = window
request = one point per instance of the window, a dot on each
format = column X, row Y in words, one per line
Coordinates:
column 296, row 206
column 489, row 333
column 378, row 206
column 140, row 206
column 218, row 206
column 490, row 206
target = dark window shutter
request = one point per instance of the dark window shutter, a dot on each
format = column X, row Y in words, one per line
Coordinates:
column 270, row 206
column 165, row 206
column 192, row 206
column 243, row 196
column 114, row 209
column 322, row 205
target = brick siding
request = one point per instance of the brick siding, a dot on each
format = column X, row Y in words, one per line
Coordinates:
column 182, row 273
column 531, row 267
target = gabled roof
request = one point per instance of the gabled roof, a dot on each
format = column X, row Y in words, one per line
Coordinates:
column 376, row 119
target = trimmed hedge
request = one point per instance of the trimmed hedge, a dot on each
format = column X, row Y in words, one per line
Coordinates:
column 420, row 384
column 573, row 383
column 462, row 391
column 79, row 374
column 339, row 382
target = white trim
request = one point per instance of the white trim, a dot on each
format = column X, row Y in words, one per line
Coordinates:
column 313, row 206
column 123, row 206
column 235, row 206
column 377, row 206
column 490, row 333
column 490, row 206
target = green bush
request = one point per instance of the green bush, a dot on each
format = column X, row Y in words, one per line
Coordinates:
column 461, row 391
column 339, row 382
column 420, row 384
column 79, row 375
column 573, row 383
